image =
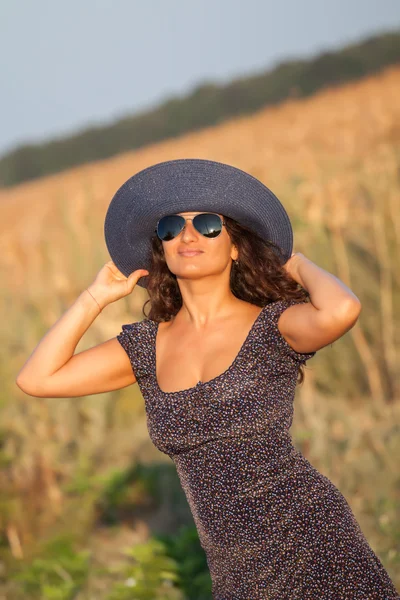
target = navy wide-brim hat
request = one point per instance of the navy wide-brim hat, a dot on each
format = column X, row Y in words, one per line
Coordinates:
column 183, row 185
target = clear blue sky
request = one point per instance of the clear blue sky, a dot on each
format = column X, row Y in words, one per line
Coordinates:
column 65, row 65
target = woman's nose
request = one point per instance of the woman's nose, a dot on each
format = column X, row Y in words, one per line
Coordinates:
column 189, row 229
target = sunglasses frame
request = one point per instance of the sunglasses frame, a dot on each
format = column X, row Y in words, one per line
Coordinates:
column 184, row 225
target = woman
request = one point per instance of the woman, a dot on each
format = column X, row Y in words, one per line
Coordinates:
column 217, row 361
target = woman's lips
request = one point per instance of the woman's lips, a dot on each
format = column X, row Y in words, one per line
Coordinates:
column 190, row 253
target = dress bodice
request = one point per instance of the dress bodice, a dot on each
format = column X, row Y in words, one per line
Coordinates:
column 253, row 394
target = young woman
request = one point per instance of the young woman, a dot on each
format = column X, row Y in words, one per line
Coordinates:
column 234, row 316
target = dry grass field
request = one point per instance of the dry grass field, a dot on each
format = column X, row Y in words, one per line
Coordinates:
column 334, row 161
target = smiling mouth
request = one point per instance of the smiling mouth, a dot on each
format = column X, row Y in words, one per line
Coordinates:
column 190, row 253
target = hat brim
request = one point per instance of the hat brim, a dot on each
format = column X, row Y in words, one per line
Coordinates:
column 189, row 184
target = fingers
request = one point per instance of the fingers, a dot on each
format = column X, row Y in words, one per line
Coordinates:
column 132, row 278
column 138, row 274
column 142, row 272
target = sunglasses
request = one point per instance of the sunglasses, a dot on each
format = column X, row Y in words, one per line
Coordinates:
column 208, row 224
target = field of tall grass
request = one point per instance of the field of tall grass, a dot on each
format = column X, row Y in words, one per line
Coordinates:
column 83, row 490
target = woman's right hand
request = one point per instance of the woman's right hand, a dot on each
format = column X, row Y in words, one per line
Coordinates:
column 111, row 285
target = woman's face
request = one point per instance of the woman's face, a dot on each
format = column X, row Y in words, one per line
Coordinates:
column 214, row 257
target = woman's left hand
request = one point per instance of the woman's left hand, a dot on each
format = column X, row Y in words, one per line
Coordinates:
column 290, row 265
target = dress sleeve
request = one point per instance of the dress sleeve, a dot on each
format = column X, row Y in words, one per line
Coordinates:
column 275, row 310
column 134, row 338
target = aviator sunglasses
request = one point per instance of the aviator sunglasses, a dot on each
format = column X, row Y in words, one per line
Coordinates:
column 208, row 224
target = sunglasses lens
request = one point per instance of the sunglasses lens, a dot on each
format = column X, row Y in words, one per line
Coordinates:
column 169, row 227
column 208, row 224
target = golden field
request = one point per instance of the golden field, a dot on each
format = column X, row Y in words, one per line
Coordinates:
column 334, row 161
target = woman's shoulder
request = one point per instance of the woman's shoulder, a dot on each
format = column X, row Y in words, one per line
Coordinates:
column 276, row 307
column 272, row 312
column 130, row 331
column 136, row 339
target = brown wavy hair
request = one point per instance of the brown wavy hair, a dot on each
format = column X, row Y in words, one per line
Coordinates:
column 258, row 278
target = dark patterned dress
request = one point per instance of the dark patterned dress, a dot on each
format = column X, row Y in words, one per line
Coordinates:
column 271, row 525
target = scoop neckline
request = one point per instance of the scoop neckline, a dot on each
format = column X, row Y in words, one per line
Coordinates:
column 210, row 381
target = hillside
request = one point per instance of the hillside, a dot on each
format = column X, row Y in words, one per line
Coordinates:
column 208, row 104
column 300, row 149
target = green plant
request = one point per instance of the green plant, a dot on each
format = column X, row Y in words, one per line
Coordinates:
column 153, row 575
column 186, row 550
column 58, row 575
column 128, row 489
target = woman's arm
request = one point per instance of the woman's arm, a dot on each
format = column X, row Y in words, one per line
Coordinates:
column 334, row 308
column 58, row 345
column 327, row 292
column 52, row 370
